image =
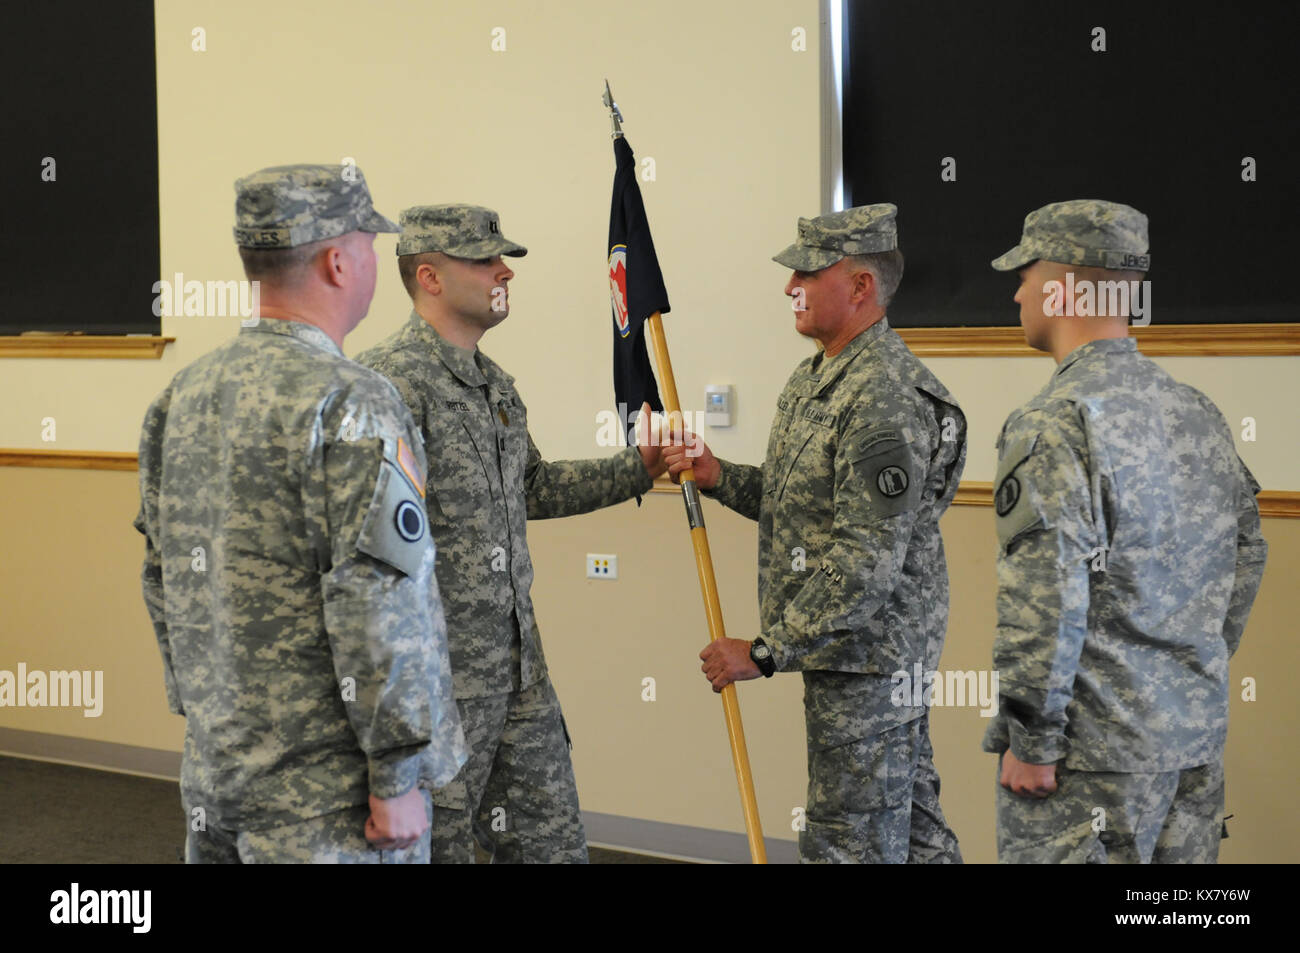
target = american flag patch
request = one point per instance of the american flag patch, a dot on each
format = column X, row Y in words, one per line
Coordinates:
column 406, row 460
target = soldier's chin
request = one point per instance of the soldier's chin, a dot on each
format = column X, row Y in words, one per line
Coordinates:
column 1036, row 336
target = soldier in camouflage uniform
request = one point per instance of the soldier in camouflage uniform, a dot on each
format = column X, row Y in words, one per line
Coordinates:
column 516, row 795
column 288, row 564
column 1129, row 554
column 864, row 456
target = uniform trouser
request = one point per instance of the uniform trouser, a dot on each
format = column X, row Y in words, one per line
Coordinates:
column 1095, row 817
column 876, row 800
column 335, row 838
column 516, row 795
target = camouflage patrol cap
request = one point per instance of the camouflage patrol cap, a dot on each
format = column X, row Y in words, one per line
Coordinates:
column 289, row 205
column 1082, row 232
column 826, row 239
column 462, row 231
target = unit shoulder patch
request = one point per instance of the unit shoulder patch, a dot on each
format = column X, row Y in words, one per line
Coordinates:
column 893, row 475
column 396, row 526
column 1011, row 503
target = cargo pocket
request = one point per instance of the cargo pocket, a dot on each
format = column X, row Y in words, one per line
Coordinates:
column 864, row 776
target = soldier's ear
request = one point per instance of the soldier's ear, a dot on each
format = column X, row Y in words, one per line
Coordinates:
column 864, row 286
column 428, row 278
column 331, row 264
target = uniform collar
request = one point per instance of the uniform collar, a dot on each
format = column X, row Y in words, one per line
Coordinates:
column 457, row 360
column 826, row 370
column 1097, row 350
column 308, row 334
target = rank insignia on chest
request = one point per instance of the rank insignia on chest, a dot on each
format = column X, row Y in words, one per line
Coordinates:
column 505, row 419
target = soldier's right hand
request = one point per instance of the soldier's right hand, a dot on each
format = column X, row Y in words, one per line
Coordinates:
column 685, row 450
column 396, row 823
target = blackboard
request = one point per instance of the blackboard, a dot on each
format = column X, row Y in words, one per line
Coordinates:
column 1031, row 113
column 80, row 252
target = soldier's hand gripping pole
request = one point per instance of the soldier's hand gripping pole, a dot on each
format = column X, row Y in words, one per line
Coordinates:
column 709, row 589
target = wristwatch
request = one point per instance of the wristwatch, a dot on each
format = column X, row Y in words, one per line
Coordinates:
column 761, row 655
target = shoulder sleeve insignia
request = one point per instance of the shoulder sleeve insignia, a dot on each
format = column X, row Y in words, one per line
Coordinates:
column 893, row 475
column 891, row 481
column 1014, row 514
column 396, row 527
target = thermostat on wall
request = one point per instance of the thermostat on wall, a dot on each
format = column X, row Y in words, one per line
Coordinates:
column 718, row 400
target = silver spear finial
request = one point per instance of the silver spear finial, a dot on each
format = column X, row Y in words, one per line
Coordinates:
column 615, row 117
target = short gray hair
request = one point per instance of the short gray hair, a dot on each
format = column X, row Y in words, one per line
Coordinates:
column 281, row 266
column 886, row 267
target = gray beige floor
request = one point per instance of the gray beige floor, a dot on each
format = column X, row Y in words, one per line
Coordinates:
column 58, row 814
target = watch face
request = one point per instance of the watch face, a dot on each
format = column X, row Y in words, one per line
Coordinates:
column 762, row 651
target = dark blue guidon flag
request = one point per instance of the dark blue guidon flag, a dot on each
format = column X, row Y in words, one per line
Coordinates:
column 636, row 289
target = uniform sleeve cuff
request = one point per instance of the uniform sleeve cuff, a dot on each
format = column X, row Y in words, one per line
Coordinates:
column 393, row 775
column 1044, row 747
column 719, row 489
column 775, row 639
column 996, row 739
column 642, row 481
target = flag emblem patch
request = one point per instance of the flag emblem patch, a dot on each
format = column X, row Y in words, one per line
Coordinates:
column 618, row 287
column 406, row 459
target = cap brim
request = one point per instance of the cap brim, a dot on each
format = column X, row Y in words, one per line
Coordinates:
column 803, row 258
column 374, row 222
column 486, row 249
column 1018, row 257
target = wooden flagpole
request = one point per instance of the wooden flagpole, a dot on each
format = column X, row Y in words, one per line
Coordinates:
column 709, row 589
column 703, row 560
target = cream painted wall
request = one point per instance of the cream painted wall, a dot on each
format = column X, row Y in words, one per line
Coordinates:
column 1266, row 388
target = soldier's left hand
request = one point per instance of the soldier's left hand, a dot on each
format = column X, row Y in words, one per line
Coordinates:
column 727, row 661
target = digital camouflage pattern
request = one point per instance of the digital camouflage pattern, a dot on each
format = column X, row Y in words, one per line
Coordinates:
column 877, row 799
column 1129, row 555
column 289, row 205
column 1170, row 817
column 864, row 456
column 824, row 240
column 516, row 796
column 463, row 231
column 335, row 838
column 289, row 570
column 1082, row 232
column 486, row 479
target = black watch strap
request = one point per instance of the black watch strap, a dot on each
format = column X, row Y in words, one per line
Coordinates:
column 761, row 655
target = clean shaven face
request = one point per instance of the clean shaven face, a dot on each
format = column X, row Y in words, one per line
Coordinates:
column 477, row 289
